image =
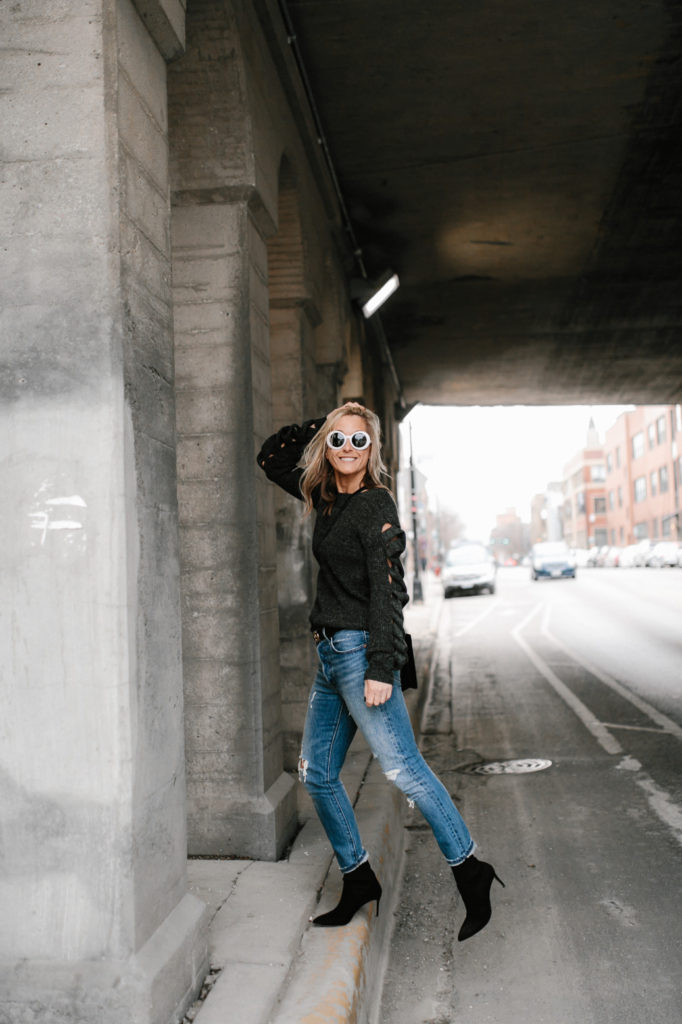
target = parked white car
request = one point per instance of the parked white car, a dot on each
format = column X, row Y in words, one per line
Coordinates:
column 642, row 549
column 468, row 568
column 665, row 553
column 581, row 556
column 627, row 556
column 612, row 557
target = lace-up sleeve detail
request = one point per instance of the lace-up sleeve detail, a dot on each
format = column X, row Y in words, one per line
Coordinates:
column 281, row 453
column 394, row 543
column 384, row 541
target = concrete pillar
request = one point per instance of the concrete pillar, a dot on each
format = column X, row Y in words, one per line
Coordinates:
column 290, row 342
column 239, row 800
column 95, row 920
column 293, row 318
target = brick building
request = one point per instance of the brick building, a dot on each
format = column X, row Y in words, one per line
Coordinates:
column 584, row 511
column 644, row 475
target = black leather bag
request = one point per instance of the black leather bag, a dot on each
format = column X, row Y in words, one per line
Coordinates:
column 408, row 673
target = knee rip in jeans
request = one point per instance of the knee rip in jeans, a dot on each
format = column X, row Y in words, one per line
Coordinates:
column 303, row 769
column 392, row 776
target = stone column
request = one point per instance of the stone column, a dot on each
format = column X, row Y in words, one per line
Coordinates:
column 293, row 380
column 240, row 801
column 95, row 920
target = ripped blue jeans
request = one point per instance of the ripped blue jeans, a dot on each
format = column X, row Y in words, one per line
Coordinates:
column 336, row 709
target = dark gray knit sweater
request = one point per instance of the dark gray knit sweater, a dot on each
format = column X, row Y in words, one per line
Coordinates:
column 360, row 583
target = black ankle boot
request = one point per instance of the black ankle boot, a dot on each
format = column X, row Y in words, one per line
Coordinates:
column 359, row 887
column 474, row 879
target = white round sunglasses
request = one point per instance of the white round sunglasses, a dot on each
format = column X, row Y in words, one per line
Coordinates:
column 359, row 440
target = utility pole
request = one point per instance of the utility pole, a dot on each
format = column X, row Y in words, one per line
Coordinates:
column 417, row 594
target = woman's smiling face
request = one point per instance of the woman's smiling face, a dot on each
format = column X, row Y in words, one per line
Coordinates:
column 347, row 462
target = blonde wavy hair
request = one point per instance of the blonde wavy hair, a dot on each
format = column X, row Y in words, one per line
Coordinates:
column 317, row 471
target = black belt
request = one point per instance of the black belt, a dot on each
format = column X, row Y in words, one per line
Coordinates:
column 323, row 633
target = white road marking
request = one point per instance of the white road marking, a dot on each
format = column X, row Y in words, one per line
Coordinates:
column 603, row 737
column 665, row 723
column 635, row 728
column 477, row 620
column 660, row 802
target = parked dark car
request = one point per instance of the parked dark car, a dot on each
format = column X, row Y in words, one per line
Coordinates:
column 552, row 560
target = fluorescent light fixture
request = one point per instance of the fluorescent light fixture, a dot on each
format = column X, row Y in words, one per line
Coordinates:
column 375, row 293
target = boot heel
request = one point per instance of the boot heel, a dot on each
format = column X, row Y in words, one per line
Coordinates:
column 360, row 886
column 474, row 879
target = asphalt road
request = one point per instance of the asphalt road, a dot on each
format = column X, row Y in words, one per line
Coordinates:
column 588, row 675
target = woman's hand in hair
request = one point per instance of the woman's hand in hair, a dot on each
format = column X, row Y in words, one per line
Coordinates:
column 376, row 693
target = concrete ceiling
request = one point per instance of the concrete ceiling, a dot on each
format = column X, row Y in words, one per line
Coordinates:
column 519, row 164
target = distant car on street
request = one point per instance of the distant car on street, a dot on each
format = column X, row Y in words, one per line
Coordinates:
column 581, row 556
column 665, row 553
column 642, row 550
column 627, row 556
column 612, row 557
column 552, row 560
column 468, row 567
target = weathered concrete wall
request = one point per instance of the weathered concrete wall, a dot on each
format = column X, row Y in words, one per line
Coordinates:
column 95, row 922
column 240, row 801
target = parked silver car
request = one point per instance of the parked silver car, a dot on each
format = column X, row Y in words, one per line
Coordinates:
column 468, row 567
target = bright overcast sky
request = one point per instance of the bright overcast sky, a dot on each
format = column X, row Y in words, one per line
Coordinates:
column 480, row 461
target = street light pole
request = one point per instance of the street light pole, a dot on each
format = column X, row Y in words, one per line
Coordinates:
column 417, row 594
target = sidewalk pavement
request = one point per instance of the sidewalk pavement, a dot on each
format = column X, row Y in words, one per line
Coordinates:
column 268, row 965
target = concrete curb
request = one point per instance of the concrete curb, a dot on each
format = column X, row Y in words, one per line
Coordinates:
column 275, row 968
column 335, row 974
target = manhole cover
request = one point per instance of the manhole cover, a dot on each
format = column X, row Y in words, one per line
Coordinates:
column 521, row 767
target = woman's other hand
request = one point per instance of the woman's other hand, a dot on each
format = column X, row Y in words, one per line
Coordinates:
column 376, row 693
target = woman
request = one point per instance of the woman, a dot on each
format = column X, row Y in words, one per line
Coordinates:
column 334, row 465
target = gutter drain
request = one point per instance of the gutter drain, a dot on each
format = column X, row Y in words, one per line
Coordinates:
column 521, row 767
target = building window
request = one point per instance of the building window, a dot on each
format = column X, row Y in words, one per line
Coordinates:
column 660, row 429
column 613, row 537
column 580, row 502
column 609, row 462
column 597, row 474
column 640, row 488
column 654, row 529
column 618, row 456
column 637, row 445
column 601, row 537
column 612, row 500
column 641, row 531
column 654, row 483
column 663, row 479
column 651, row 434
column 620, row 497
column 622, row 534
column 666, row 526
column 599, row 506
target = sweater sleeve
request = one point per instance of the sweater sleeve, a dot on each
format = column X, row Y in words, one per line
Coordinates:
column 281, row 453
column 387, row 648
